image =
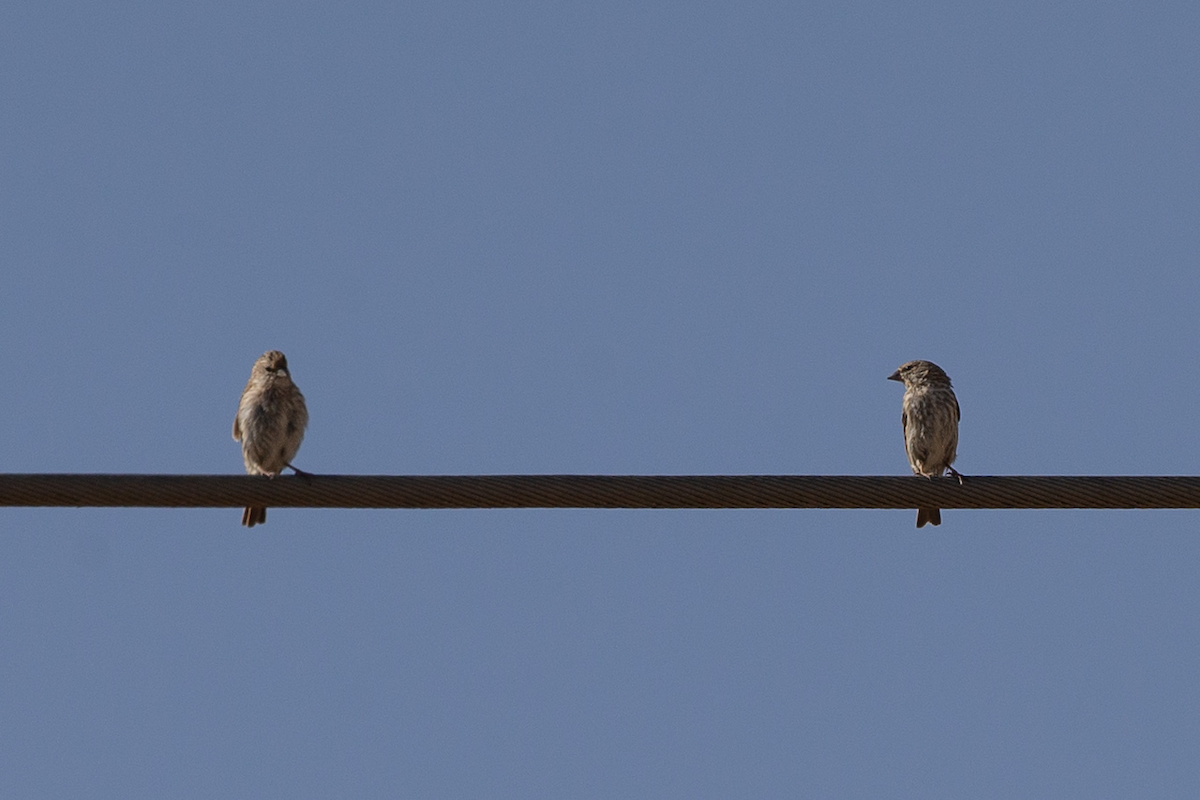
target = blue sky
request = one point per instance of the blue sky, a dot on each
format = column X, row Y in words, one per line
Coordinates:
column 617, row 238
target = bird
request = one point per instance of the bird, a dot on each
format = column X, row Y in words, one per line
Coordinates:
column 270, row 423
column 930, row 417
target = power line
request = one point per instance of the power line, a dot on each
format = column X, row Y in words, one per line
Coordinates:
column 599, row 491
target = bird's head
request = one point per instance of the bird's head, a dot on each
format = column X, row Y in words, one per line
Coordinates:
column 919, row 373
column 273, row 362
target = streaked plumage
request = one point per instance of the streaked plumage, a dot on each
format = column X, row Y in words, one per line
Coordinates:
column 930, row 418
column 270, row 423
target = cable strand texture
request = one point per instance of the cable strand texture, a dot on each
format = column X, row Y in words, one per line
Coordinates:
column 598, row 491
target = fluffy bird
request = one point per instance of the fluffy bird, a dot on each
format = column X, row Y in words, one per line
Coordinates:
column 270, row 423
column 930, row 416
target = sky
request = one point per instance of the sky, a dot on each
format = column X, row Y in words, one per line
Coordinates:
column 616, row 238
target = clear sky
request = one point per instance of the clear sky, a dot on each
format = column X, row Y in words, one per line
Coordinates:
column 623, row 237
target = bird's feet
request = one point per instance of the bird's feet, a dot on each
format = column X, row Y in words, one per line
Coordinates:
column 955, row 473
column 308, row 476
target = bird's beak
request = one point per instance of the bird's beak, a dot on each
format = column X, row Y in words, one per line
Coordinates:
column 895, row 376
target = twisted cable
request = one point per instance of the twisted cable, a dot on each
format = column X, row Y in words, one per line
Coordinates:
column 599, row 491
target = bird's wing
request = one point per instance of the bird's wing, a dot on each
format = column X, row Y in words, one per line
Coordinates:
column 957, row 411
column 237, row 428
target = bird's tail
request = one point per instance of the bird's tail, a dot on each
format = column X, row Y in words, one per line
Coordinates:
column 254, row 515
column 931, row 515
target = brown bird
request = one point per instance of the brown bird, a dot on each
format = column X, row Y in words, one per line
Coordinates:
column 270, row 423
column 930, row 417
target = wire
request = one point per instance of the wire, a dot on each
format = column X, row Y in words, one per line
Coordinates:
column 599, row 491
